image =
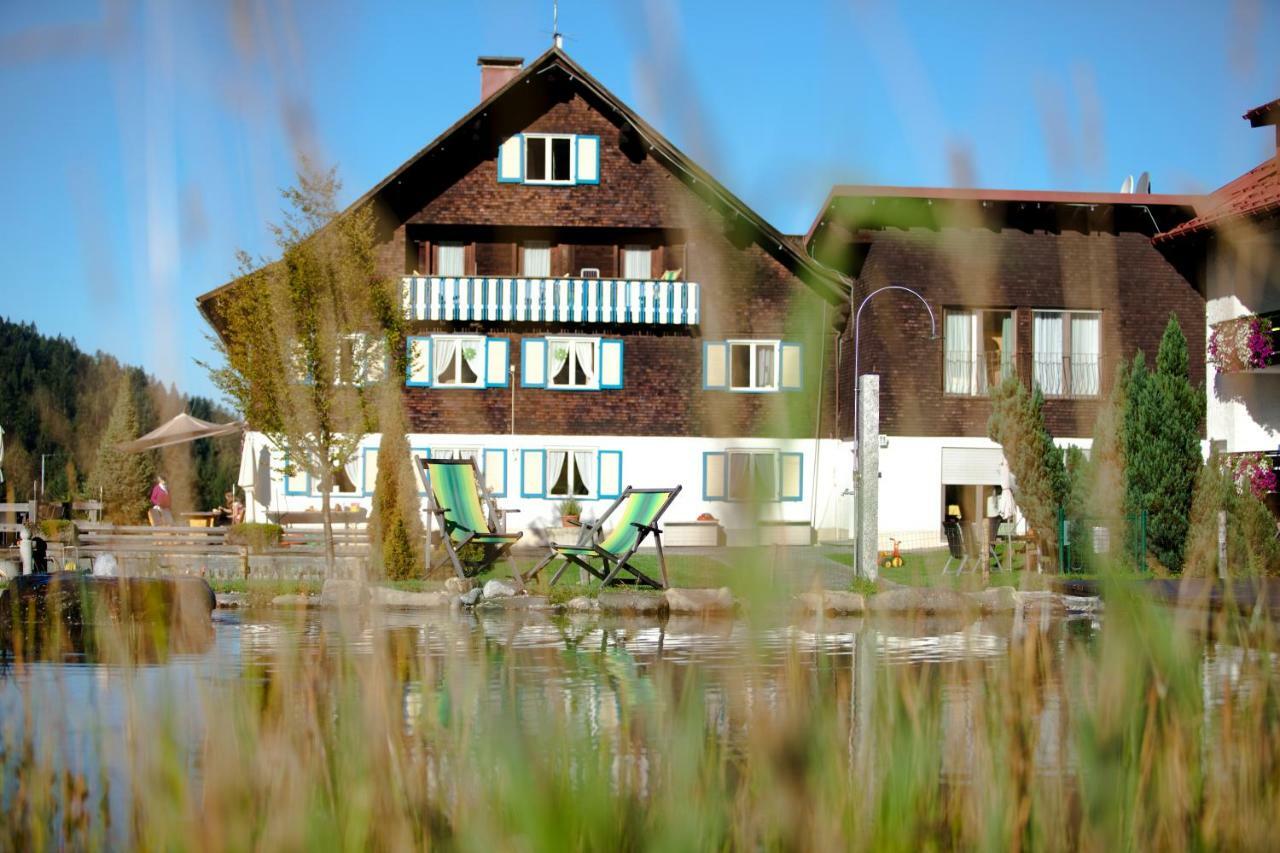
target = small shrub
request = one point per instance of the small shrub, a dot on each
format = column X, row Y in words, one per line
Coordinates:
column 566, row 592
column 398, row 559
column 864, row 586
column 59, row 530
column 258, row 536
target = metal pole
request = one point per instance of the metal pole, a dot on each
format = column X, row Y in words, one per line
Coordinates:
column 857, row 338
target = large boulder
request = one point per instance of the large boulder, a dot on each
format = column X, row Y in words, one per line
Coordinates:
column 384, row 596
column 582, row 604
column 997, row 599
column 291, row 601
column 458, row 586
column 921, row 600
column 499, row 589
column 699, row 600
column 644, row 604
column 343, row 593
column 833, row 601
column 470, row 597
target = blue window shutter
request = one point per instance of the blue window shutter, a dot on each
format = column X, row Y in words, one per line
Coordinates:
column 496, row 361
column 790, row 367
column 791, row 480
column 715, row 473
column 495, row 460
column 296, row 484
column 418, row 362
column 611, row 363
column 370, row 461
column 533, row 473
column 715, row 365
column 609, row 473
column 511, row 160
column 587, row 159
column 533, row 362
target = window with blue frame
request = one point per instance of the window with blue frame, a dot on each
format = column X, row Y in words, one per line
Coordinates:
column 751, row 365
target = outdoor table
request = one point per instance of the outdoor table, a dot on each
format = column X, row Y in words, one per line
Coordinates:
column 200, row 519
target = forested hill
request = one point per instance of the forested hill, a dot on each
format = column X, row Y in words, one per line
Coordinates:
column 57, row 400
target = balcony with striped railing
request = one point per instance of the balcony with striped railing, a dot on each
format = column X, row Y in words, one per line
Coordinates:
column 551, row 300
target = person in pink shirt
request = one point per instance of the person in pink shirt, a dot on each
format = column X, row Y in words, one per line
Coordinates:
column 160, row 502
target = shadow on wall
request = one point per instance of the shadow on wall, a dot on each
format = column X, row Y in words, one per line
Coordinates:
column 1258, row 392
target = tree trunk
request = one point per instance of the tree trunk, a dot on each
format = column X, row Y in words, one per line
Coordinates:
column 326, row 487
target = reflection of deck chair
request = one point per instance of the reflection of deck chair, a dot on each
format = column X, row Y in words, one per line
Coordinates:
column 955, row 546
column 639, row 512
column 457, row 501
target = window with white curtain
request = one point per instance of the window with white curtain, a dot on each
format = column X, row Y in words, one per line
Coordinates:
column 345, row 479
column 536, row 259
column 753, row 365
column 458, row 361
column 571, row 472
column 637, row 262
column 451, row 258
column 472, row 453
column 573, row 362
column 1067, row 352
column 978, row 350
column 753, row 475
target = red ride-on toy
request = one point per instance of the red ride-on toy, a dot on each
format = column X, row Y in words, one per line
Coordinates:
column 892, row 560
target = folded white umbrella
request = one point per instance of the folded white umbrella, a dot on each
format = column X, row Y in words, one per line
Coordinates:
column 181, row 428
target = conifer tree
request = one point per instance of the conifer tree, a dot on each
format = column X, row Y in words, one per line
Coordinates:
column 1163, row 414
column 123, row 479
column 395, row 526
column 1017, row 425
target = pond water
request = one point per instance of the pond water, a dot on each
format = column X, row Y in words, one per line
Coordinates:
column 86, row 708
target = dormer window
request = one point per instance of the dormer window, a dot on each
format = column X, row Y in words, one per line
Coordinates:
column 548, row 159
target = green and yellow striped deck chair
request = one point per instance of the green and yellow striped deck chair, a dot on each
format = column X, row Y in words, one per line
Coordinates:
column 457, row 502
column 638, row 512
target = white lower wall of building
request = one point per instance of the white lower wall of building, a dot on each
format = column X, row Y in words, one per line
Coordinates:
column 818, row 474
column 912, row 481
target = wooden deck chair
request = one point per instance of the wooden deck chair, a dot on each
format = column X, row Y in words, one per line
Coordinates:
column 638, row 512
column 457, row 498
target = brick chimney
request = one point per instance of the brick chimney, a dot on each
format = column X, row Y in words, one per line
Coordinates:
column 495, row 71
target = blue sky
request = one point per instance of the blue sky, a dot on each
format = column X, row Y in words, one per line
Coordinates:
column 144, row 143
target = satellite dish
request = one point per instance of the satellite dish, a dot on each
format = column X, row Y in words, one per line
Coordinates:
column 1143, row 186
column 1127, row 186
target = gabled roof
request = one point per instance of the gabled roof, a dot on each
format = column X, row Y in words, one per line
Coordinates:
column 1254, row 195
column 874, row 207
column 826, row 282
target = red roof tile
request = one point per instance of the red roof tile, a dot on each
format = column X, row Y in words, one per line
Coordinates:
column 1254, row 194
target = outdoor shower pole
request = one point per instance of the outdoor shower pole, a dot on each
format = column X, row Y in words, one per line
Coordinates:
column 860, row 569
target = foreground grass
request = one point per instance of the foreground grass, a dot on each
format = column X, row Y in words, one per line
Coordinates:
column 375, row 743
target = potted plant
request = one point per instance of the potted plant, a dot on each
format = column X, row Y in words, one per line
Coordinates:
column 570, row 512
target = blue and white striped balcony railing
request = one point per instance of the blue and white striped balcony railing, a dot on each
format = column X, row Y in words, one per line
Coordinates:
column 551, row 300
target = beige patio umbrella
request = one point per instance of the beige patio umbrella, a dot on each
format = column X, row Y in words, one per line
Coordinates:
column 179, row 429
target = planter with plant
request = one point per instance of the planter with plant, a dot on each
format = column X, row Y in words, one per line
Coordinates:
column 1245, row 343
column 570, row 512
column 256, row 536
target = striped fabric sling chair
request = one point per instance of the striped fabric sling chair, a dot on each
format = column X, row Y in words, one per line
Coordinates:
column 457, row 504
column 638, row 512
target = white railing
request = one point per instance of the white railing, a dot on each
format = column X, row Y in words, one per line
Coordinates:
column 551, row 300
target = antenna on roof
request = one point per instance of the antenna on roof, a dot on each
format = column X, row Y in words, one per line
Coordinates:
column 1143, row 186
column 556, row 38
column 1127, row 187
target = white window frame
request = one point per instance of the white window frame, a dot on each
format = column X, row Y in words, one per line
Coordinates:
column 460, row 452
column 547, row 162
column 754, row 344
column 978, row 371
column 731, row 494
column 1068, row 354
column 462, row 256
column 563, row 340
column 534, row 246
column 479, row 342
column 628, row 252
column 570, row 460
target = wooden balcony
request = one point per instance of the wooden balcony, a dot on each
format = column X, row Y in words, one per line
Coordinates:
column 551, row 300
